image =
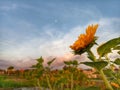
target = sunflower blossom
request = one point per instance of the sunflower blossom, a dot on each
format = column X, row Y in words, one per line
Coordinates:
column 115, row 84
column 85, row 39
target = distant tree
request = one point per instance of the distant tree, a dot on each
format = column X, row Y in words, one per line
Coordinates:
column 10, row 70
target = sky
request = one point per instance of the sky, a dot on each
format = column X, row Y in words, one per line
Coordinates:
column 33, row 28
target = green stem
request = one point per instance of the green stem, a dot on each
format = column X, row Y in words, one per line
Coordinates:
column 38, row 83
column 48, row 81
column 111, row 65
column 101, row 71
column 108, row 86
column 61, row 86
column 105, row 80
column 90, row 53
column 106, row 57
column 72, row 81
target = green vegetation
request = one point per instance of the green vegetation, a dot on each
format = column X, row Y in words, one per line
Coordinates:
column 70, row 77
column 13, row 82
column 102, row 61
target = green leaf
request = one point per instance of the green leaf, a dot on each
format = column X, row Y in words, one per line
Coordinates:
column 75, row 62
column 67, row 62
column 117, row 48
column 91, row 55
column 117, row 75
column 98, row 65
column 40, row 60
column 118, row 52
column 106, row 47
column 51, row 61
column 117, row 61
column 108, row 72
column 39, row 63
column 91, row 88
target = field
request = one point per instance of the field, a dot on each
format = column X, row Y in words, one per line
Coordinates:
column 13, row 81
column 104, row 73
column 69, row 78
column 55, row 82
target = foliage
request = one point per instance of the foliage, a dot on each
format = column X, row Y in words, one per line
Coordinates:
column 70, row 77
column 107, row 47
column 39, row 69
column 51, row 61
column 98, row 65
column 7, row 82
column 10, row 68
column 117, row 61
column 102, row 61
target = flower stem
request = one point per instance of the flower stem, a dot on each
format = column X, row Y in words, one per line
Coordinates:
column 105, row 80
column 48, row 82
column 38, row 82
column 91, row 55
column 71, row 81
column 101, row 72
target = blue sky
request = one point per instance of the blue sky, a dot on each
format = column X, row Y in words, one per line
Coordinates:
column 33, row 28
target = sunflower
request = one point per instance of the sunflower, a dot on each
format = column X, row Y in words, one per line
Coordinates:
column 115, row 84
column 85, row 39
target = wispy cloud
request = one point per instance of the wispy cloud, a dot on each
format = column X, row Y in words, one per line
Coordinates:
column 32, row 29
column 8, row 7
column 58, row 45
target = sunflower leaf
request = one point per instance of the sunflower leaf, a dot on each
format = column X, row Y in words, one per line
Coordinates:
column 91, row 88
column 118, row 52
column 67, row 62
column 106, row 47
column 98, row 65
column 117, row 61
column 91, row 55
column 51, row 61
column 40, row 60
column 75, row 62
column 117, row 48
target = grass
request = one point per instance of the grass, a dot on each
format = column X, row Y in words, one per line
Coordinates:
column 8, row 82
column 14, row 82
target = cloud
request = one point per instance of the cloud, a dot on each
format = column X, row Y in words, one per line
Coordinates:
column 4, row 64
column 34, row 29
column 56, row 43
column 59, row 61
column 8, row 7
column 108, row 28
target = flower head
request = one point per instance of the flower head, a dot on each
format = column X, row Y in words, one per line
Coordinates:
column 115, row 84
column 85, row 39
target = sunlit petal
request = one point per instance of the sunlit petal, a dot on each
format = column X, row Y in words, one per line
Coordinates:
column 85, row 39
